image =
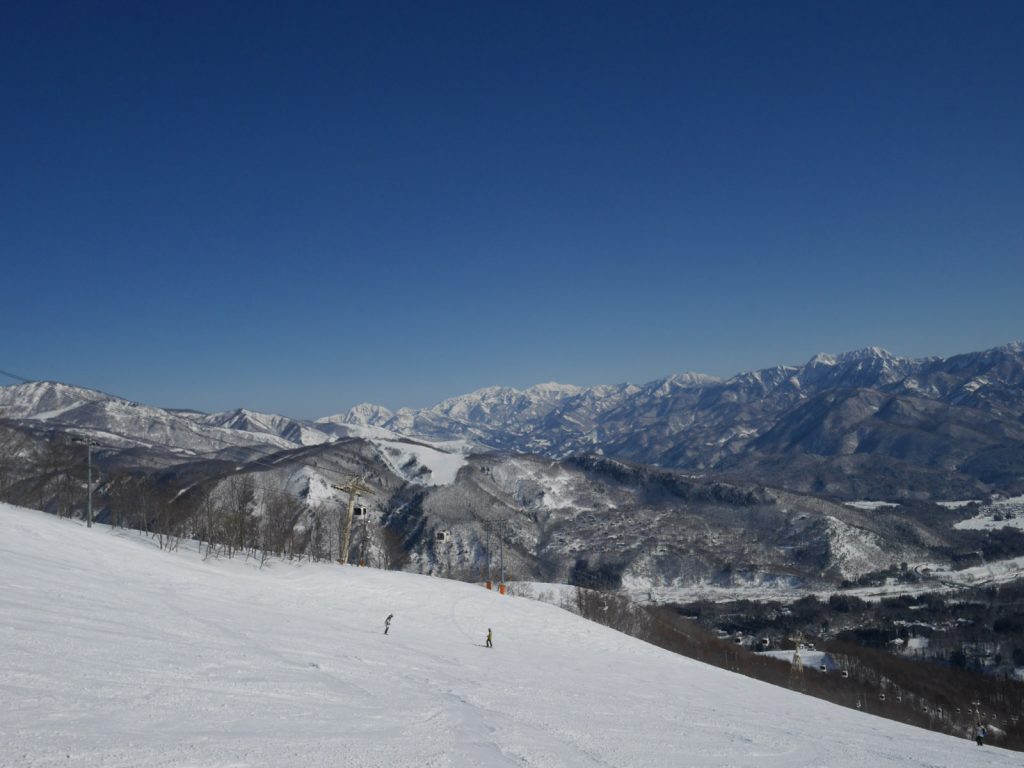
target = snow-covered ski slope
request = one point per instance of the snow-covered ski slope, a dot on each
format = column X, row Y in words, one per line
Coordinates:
column 114, row 653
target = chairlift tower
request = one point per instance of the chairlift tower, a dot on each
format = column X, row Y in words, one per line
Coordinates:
column 89, row 443
column 353, row 488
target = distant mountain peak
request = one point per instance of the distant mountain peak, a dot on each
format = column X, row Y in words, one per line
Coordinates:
column 856, row 355
column 553, row 388
column 692, row 379
column 364, row 414
column 58, row 387
column 867, row 353
column 39, row 397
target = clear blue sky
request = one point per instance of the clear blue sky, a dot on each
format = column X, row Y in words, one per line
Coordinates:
column 297, row 209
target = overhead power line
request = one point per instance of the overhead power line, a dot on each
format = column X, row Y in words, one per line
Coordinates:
column 16, row 377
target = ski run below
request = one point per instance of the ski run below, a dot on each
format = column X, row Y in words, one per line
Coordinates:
column 115, row 653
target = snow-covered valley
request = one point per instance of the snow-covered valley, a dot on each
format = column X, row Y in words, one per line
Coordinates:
column 116, row 653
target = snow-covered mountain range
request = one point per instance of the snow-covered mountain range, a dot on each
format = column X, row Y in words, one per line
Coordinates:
column 864, row 424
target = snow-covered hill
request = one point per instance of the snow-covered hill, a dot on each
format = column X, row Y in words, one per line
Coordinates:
column 117, row 424
column 295, row 432
column 116, row 654
column 123, row 424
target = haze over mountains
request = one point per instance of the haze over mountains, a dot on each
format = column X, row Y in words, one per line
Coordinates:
column 864, row 424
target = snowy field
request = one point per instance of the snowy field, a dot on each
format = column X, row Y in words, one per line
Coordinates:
column 406, row 456
column 1001, row 513
column 813, row 659
column 871, row 505
column 1004, row 513
column 940, row 578
column 116, row 654
column 781, row 591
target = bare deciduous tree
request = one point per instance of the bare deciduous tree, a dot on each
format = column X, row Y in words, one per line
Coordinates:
column 393, row 554
column 124, row 499
column 239, row 499
column 281, row 512
column 323, row 534
column 57, row 482
column 14, row 457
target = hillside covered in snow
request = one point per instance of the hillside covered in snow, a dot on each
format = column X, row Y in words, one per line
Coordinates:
column 116, row 653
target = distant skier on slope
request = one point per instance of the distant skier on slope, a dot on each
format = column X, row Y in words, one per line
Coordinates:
column 979, row 734
column 489, row 638
column 387, row 623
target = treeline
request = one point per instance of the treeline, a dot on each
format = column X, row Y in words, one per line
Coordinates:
column 243, row 514
column 980, row 630
column 46, row 473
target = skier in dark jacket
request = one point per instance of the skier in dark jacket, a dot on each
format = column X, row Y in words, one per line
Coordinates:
column 387, row 623
column 489, row 636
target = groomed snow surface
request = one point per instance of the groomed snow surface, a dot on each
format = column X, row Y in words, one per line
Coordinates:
column 442, row 459
column 115, row 653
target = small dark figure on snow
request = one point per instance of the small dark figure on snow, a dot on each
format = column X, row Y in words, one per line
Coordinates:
column 387, row 623
column 489, row 637
column 979, row 734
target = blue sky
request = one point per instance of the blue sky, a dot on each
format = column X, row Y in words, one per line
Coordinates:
column 297, row 209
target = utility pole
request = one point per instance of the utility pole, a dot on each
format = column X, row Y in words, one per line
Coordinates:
column 89, row 444
column 89, row 462
column 502, row 535
column 488, row 528
column 353, row 488
column 362, row 546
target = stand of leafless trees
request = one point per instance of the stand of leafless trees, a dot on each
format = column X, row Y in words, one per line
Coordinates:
column 44, row 472
column 245, row 514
